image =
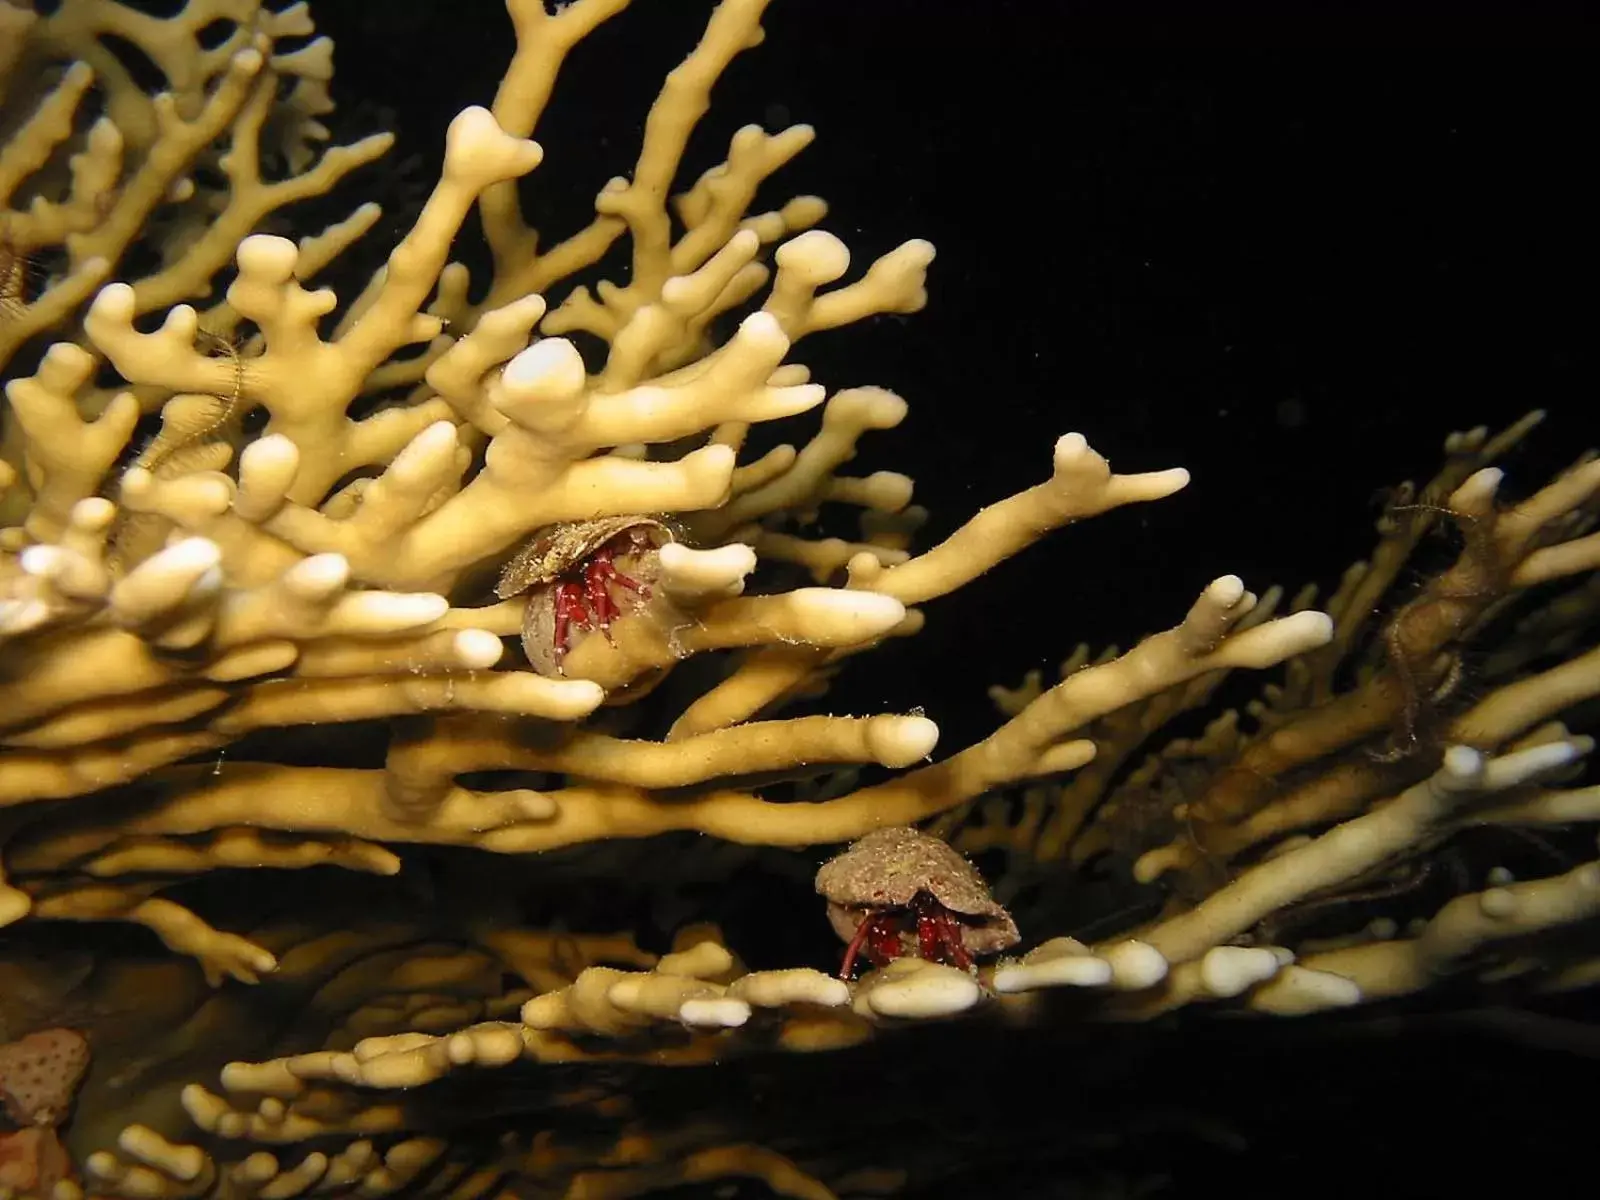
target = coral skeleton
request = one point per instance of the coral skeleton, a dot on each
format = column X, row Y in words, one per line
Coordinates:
column 447, row 598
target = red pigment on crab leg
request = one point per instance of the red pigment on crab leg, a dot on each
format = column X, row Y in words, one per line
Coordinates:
column 570, row 606
column 938, row 937
column 949, row 935
column 929, row 935
column 854, row 947
column 597, row 573
column 877, row 935
column 883, row 940
column 939, row 933
column 587, row 602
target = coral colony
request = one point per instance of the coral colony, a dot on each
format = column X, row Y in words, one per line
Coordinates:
column 364, row 575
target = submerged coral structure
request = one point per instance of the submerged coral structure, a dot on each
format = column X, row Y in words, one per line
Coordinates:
column 449, row 597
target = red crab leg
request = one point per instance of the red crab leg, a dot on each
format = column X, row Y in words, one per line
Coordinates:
column 569, row 606
column 949, row 931
column 854, row 948
column 632, row 584
column 883, row 940
column 877, row 937
column 930, row 934
column 598, row 573
column 638, row 543
column 602, row 608
column 634, row 542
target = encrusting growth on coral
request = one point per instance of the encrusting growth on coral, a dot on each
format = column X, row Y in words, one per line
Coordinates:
column 570, row 572
column 391, row 587
column 39, row 1075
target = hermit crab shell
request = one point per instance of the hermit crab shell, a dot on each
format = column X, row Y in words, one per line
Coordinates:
column 556, row 549
column 888, row 867
column 562, row 550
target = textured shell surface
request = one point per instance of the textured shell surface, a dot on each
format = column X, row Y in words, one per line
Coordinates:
column 39, row 1074
column 888, row 867
column 556, row 549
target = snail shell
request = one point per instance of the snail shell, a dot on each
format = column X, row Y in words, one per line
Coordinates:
column 561, row 550
column 556, row 549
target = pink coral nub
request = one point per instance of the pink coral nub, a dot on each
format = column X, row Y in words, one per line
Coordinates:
column 40, row 1073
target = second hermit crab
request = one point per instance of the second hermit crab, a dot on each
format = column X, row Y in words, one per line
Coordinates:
column 899, row 892
column 571, row 574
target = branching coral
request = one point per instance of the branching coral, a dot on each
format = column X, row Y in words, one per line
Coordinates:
column 230, row 646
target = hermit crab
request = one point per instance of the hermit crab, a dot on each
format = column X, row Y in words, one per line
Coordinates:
column 571, row 572
column 900, row 892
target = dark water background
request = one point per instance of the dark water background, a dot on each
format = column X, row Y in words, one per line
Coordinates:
column 1288, row 253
